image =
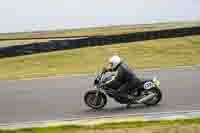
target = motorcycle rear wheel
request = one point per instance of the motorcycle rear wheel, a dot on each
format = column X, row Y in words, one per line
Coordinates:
column 156, row 99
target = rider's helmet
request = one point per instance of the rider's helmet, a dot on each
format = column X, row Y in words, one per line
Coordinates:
column 114, row 61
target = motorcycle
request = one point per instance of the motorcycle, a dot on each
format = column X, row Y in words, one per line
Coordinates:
column 148, row 92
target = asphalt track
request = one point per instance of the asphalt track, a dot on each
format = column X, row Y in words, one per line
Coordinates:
column 62, row 97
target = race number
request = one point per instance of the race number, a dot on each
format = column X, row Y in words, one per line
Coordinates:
column 148, row 85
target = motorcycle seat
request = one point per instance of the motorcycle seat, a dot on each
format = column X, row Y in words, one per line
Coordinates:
column 145, row 80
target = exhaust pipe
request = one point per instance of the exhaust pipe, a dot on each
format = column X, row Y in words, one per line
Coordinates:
column 146, row 98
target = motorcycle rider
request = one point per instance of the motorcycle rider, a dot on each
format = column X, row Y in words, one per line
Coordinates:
column 123, row 76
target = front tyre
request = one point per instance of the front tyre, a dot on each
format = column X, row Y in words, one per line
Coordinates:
column 156, row 99
column 95, row 101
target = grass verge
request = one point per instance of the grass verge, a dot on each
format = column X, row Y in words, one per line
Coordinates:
column 173, row 126
column 162, row 53
column 109, row 30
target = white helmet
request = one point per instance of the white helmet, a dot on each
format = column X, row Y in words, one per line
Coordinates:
column 115, row 60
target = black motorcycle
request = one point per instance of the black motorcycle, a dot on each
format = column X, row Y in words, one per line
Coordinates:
column 147, row 93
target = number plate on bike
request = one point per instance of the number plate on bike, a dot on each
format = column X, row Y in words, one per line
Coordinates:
column 148, row 85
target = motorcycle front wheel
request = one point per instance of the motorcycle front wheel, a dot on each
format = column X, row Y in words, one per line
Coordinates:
column 95, row 101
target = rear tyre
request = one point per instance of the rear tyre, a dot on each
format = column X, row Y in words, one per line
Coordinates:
column 156, row 99
column 95, row 101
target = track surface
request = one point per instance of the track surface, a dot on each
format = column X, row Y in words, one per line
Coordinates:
column 62, row 98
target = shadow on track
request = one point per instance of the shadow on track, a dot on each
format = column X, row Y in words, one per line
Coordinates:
column 119, row 110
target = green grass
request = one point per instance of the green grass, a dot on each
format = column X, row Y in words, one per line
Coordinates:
column 110, row 30
column 162, row 53
column 175, row 126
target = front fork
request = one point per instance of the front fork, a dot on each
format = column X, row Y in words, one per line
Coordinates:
column 97, row 93
column 97, row 96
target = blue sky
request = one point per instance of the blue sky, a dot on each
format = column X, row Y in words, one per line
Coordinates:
column 33, row 15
